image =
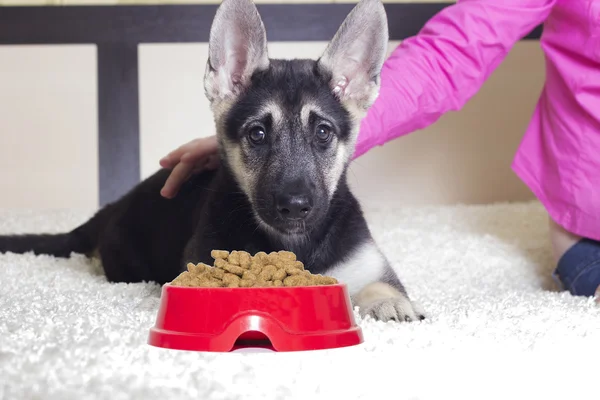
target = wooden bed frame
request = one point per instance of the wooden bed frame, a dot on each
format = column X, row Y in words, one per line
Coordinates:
column 118, row 30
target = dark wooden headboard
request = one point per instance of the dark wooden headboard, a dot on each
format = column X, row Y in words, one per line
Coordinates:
column 118, row 30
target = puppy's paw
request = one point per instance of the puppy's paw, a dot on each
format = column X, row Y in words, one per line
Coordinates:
column 384, row 303
column 398, row 309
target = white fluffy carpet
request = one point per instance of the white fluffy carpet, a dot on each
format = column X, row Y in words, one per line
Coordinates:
column 497, row 326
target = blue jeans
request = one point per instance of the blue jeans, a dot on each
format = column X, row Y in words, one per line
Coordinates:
column 578, row 270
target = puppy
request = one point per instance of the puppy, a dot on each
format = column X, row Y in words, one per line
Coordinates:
column 286, row 132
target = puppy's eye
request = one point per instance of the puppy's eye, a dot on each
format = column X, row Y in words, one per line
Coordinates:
column 257, row 135
column 323, row 133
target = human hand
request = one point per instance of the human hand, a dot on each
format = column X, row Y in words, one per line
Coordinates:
column 187, row 160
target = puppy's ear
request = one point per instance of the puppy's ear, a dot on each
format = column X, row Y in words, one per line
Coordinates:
column 237, row 48
column 355, row 55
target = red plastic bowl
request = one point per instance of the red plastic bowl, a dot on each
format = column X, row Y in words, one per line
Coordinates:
column 277, row 318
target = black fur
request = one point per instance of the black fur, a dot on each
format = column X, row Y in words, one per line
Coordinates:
column 289, row 83
column 144, row 237
column 290, row 159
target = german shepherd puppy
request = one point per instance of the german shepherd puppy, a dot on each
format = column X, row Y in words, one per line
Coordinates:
column 287, row 130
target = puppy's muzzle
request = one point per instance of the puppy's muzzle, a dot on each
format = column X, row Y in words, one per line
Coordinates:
column 294, row 202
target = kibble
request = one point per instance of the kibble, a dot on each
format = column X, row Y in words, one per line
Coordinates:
column 239, row 269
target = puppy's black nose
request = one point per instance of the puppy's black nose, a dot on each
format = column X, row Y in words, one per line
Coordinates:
column 293, row 206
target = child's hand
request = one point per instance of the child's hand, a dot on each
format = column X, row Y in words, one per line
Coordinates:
column 188, row 159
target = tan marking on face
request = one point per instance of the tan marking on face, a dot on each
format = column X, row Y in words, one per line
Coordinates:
column 243, row 175
column 333, row 175
column 275, row 111
column 305, row 113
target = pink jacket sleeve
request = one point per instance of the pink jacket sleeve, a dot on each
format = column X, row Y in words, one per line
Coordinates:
column 443, row 66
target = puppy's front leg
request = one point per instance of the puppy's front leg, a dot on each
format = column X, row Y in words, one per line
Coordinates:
column 374, row 286
column 383, row 302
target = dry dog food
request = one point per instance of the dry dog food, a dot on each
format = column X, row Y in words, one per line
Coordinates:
column 240, row 269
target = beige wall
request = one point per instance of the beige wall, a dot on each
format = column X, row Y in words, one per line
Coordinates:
column 48, row 144
column 48, row 127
